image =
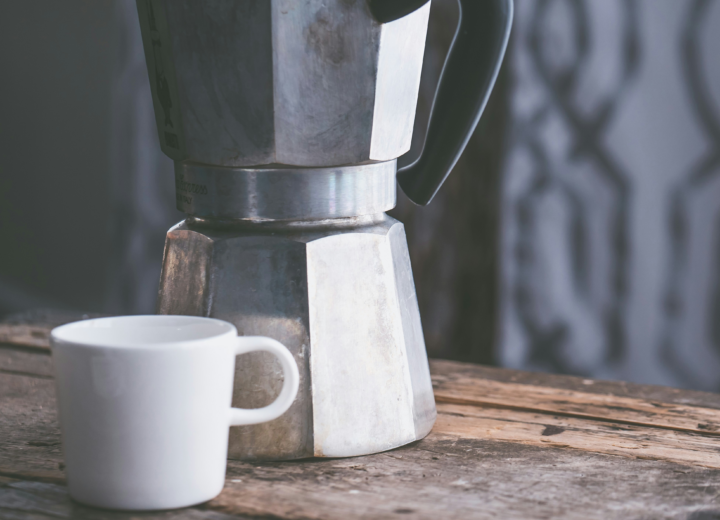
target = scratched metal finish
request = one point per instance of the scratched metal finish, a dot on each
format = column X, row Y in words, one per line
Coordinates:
column 339, row 295
column 257, row 82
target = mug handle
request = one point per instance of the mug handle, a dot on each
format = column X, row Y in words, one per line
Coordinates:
column 242, row 416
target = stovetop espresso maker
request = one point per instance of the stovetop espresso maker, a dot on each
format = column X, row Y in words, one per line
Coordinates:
column 285, row 119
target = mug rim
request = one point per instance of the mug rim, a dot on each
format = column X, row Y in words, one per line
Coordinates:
column 63, row 334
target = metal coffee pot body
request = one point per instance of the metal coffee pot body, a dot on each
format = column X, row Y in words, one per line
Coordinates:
column 285, row 119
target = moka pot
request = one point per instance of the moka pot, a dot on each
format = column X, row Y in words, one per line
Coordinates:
column 285, row 119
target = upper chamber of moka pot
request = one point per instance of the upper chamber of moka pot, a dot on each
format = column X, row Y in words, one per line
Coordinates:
column 282, row 82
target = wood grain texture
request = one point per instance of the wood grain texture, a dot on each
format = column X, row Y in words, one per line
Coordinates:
column 25, row 335
column 21, row 362
column 29, row 431
column 538, row 429
column 470, row 478
column 23, row 500
column 625, row 410
column 510, row 445
column 444, row 371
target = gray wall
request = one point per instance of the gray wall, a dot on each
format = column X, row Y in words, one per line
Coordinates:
column 80, row 179
column 54, row 141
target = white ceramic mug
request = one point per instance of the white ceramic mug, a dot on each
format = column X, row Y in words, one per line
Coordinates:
column 145, row 410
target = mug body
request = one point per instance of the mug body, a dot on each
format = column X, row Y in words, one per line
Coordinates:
column 144, row 409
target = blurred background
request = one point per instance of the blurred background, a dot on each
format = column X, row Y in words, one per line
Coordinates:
column 578, row 234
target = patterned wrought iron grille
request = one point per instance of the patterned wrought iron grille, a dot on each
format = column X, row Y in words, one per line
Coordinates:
column 605, row 245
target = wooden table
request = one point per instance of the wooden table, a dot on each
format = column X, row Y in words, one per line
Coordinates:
column 506, row 444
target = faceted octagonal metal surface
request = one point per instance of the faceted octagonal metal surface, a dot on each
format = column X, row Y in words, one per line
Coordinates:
column 303, row 83
column 342, row 299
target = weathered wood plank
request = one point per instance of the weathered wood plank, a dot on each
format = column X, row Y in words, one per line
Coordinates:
column 314, row 489
column 25, row 335
column 30, row 442
column 29, row 432
column 470, row 478
column 436, row 478
column 627, row 410
column 23, row 500
column 22, row 362
column 29, row 405
column 446, row 371
column 473, row 422
column 500, row 459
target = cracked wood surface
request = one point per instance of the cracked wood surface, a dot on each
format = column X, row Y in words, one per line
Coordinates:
column 450, row 387
column 506, row 444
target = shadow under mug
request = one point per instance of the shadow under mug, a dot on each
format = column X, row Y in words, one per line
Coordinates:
column 144, row 406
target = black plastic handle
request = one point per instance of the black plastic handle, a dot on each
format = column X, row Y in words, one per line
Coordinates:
column 385, row 11
column 469, row 74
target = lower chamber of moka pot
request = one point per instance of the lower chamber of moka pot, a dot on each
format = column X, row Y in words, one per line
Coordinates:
column 340, row 295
